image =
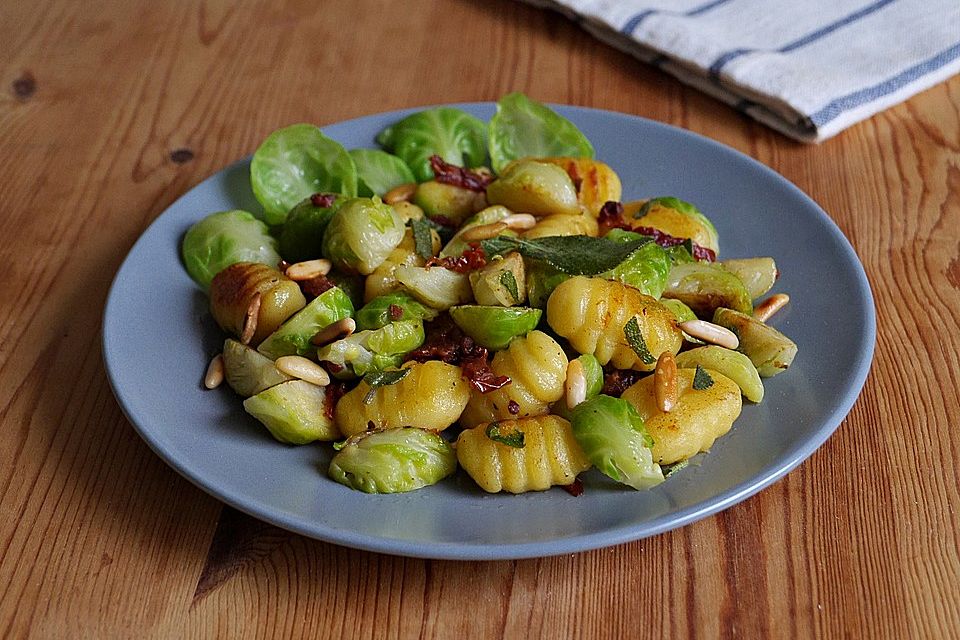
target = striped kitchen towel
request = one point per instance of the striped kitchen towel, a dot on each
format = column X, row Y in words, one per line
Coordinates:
column 808, row 68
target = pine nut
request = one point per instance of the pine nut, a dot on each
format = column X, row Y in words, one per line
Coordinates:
column 306, row 370
column 575, row 385
column 520, row 221
column 250, row 320
column 484, row 231
column 335, row 331
column 712, row 333
column 402, row 193
column 665, row 382
column 215, row 373
column 308, row 270
column 770, row 306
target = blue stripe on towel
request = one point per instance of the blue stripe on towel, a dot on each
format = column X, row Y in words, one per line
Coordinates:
column 857, row 98
column 803, row 41
column 635, row 21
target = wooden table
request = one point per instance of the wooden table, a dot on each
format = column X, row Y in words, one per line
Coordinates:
column 109, row 113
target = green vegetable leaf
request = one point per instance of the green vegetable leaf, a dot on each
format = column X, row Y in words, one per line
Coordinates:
column 509, row 282
column 574, row 255
column 422, row 241
column 456, row 136
column 513, row 439
column 379, row 171
column 668, row 201
column 635, row 339
column 701, row 379
column 670, row 469
column 525, row 128
column 382, row 379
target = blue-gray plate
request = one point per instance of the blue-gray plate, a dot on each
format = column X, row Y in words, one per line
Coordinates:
column 158, row 338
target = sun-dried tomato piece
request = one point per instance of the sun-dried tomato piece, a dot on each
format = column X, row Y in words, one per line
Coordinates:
column 324, row 200
column 616, row 381
column 395, row 312
column 575, row 488
column 335, row 390
column 611, row 217
column 666, row 240
column 513, row 407
column 313, row 287
column 458, row 176
column 476, row 370
column 472, row 258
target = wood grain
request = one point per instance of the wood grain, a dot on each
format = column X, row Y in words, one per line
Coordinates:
column 108, row 115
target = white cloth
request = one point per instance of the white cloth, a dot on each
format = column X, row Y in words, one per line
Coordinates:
column 808, row 68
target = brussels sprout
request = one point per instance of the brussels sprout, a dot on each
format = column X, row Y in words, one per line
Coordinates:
column 380, row 311
column 247, row 371
column 301, row 237
column 612, row 434
column 538, row 188
column 351, row 284
column 705, row 286
column 596, row 182
column 236, row 288
column 542, row 279
column 677, row 254
column 225, row 238
column 679, row 219
column 454, row 135
column 294, row 412
column 439, row 200
column 361, row 235
column 495, row 327
column 757, row 274
column 379, row 171
column 295, row 162
column 393, row 460
column 732, row 364
column 501, row 282
column 293, row 337
column 770, row 351
column 682, row 313
column 435, row 286
column 524, row 128
column 592, row 373
column 375, row 350
column 489, row 215
column 645, row 269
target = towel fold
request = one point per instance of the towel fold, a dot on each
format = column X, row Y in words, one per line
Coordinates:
column 807, row 68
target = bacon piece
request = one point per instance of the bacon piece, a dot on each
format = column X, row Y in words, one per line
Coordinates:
column 471, row 259
column 458, row 176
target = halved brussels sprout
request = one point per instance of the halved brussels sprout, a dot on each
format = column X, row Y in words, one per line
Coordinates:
column 295, row 162
column 225, row 238
column 247, row 371
column 732, row 364
column 361, row 234
column 495, row 327
column 294, row 412
column 435, row 286
column 301, row 237
column 682, row 313
column 645, row 269
column 234, row 290
column 525, row 128
column 537, row 188
column 675, row 217
column 770, row 351
column 392, row 307
column 457, row 137
column 705, row 286
column 293, row 337
column 393, row 460
column 373, row 350
column 351, row 284
column 501, row 282
column 379, row 171
column 440, row 200
column 542, row 279
column 612, row 434
column 757, row 274
column 596, row 182
column 489, row 215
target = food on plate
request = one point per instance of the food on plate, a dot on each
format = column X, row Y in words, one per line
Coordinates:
column 477, row 295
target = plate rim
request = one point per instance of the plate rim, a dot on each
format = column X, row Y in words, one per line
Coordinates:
column 557, row 545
